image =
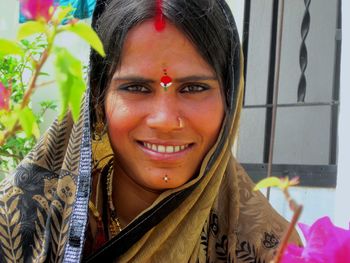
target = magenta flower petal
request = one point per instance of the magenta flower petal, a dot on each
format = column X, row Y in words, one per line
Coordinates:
column 325, row 243
column 304, row 229
column 4, row 97
column 36, row 9
column 292, row 254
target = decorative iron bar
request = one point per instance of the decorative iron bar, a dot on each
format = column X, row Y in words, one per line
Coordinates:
column 311, row 175
column 305, row 26
column 297, row 104
column 279, row 32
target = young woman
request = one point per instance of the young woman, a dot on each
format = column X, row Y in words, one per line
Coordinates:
column 156, row 180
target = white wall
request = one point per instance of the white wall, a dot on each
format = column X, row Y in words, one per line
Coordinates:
column 8, row 18
column 342, row 208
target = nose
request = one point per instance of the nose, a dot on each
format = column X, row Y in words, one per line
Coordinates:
column 165, row 113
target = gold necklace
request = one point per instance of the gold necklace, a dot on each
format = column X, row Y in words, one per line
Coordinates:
column 100, row 237
column 114, row 225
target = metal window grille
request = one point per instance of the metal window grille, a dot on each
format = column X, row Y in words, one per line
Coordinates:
column 311, row 175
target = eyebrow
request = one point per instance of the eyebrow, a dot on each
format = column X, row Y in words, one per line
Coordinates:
column 180, row 80
column 196, row 78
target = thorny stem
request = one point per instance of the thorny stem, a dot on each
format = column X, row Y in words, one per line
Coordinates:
column 296, row 208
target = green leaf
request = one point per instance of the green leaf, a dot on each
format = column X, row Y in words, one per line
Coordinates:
column 88, row 34
column 9, row 47
column 28, row 122
column 63, row 12
column 268, row 182
column 43, row 73
column 30, row 28
column 48, row 104
column 70, row 80
column 36, row 131
column 8, row 119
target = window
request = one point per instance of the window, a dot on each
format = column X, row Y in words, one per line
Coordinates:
column 305, row 142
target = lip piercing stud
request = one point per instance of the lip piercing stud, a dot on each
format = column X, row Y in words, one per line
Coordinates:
column 166, row 178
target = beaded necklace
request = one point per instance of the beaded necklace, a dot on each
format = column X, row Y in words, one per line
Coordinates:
column 114, row 225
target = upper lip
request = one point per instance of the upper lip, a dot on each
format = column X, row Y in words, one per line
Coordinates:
column 166, row 143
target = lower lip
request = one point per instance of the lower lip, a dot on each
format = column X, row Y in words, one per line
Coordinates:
column 157, row 156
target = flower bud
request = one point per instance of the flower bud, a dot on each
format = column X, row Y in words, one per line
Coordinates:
column 4, row 97
column 37, row 9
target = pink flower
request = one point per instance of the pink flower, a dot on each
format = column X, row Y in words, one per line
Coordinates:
column 4, row 97
column 325, row 243
column 36, row 9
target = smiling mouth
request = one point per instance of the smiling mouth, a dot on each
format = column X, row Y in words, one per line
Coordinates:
column 165, row 148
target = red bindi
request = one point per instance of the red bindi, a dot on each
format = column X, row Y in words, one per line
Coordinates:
column 159, row 22
column 165, row 81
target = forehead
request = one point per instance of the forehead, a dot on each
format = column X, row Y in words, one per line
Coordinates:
column 147, row 49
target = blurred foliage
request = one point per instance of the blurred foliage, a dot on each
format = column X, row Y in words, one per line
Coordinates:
column 21, row 64
column 15, row 72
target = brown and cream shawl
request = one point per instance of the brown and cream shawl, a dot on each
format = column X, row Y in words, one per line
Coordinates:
column 215, row 217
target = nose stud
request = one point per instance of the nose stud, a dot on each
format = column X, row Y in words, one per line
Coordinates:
column 181, row 124
column 165, row 81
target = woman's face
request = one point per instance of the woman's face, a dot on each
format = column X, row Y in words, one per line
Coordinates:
column 161, row 136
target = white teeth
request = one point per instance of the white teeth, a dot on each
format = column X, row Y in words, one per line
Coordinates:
column 169, row 149
column 165, row 148
column 161, row 148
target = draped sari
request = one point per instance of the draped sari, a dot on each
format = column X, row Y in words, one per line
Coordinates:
column 215, row 217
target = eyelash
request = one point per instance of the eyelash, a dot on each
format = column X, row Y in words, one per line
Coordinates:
column 136, row 89
column 194, row 88
column 191, row 88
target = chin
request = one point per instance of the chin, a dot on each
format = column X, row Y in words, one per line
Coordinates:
column 161, row 182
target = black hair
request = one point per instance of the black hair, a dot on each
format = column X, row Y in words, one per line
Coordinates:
column 209, row 24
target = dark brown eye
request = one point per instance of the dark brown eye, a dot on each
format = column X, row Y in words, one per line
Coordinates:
column 135, row 88
column 193, row 88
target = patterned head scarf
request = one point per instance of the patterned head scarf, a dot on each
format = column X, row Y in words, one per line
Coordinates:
column 214, row 217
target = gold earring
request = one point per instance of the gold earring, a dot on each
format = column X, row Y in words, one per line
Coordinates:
column 98, row 131
column 99, row 126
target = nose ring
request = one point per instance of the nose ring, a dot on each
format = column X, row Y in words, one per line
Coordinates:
column 181, row 124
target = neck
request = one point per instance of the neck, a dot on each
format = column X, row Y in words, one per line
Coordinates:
column 129, row 198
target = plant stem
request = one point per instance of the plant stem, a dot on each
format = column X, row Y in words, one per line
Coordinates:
column 296, row 208
column 14, row 156
column 9, row 133
column 45, row 83
column 32, row 81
